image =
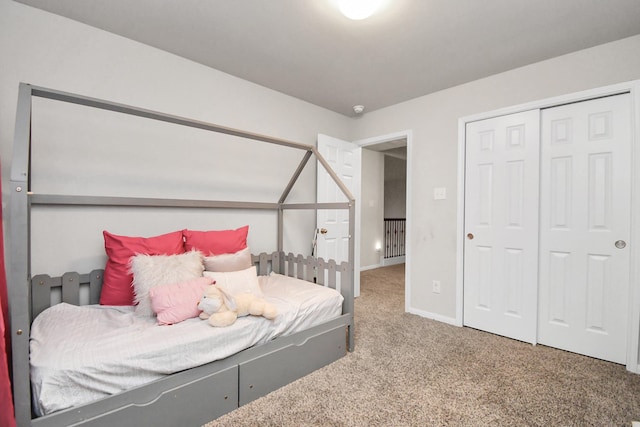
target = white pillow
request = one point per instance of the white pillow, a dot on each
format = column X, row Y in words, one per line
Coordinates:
column 240, row 260
column 157, row 270
column 237, row 282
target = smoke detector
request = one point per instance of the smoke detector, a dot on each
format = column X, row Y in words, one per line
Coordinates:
column 358, row 109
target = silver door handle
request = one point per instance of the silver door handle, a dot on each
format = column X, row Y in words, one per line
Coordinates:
column 620, row 244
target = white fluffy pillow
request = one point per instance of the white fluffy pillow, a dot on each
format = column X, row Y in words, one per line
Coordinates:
column 240, row 260
column 157, row 270
column 237, row 282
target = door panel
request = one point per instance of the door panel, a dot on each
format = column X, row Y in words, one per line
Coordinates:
column 345, row 159
column 585, row 208
column 501, row 222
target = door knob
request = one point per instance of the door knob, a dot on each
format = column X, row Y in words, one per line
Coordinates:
column 620, row 244
column 470, row 236
column 323, row 231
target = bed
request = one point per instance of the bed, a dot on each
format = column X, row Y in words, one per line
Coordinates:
column 190, row 393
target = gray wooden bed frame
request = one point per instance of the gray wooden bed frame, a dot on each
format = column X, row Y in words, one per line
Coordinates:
column 194, row 396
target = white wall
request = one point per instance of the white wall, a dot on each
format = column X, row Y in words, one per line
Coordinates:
column 434, row 122
column 372, row 207
column 50, row 51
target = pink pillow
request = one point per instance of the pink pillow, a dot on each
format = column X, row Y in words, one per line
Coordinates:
column 117, row 286
column 150, row 271
column 179, row 301
column 216, row 242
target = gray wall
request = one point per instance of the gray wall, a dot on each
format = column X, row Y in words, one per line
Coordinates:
column 372, row 206
column 47, row 50
column 433, row 120
column 395, row 187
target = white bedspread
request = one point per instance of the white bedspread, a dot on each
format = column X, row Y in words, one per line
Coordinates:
column 81, row 354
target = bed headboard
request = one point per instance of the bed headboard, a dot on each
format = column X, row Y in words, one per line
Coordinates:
column 83, row 289
column 47, row 291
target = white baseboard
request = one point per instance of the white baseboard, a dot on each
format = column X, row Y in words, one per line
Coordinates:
column 392, row 261
column 370, row 267
column 433, row 316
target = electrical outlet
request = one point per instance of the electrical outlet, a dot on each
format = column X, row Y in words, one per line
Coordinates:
column 436, row 286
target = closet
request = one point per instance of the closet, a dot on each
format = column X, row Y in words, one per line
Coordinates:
column 547, row 225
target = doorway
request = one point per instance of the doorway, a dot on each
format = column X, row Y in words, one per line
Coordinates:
column 395, row 148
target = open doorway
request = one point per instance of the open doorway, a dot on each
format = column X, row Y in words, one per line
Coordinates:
column 385, row 212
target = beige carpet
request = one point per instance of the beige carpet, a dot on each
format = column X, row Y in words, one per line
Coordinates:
column 411, row 371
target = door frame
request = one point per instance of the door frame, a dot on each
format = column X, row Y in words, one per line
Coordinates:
column 632, row 87
column 408, row 135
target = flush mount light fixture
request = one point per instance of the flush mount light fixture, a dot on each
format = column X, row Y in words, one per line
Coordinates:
column 359, row 9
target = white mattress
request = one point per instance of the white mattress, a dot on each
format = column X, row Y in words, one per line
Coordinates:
column 81, row 354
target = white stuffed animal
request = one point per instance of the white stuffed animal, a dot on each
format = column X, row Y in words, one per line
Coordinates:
column 223, row 309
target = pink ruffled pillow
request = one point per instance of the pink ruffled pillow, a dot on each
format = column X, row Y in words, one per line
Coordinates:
column 179, row 301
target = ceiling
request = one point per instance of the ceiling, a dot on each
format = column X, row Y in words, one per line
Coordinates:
column 410, row 48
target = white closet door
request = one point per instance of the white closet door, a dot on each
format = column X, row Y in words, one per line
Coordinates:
column 584, row 211
column 501, row 225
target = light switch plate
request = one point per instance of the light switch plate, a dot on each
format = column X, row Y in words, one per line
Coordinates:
column 439, row 193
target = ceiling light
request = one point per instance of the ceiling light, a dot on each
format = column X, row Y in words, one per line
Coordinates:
column 358, row 9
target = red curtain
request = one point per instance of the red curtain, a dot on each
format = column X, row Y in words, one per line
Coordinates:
column 6, row 401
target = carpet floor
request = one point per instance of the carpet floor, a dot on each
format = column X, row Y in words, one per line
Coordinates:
column 410, row 371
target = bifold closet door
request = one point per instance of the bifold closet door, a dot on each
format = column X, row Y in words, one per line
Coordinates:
column 585, row 227
column 501, row 225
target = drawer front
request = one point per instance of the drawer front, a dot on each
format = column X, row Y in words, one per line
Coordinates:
column 273, row 370
column 193, row 403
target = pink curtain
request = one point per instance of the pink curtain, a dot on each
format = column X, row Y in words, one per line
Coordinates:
column 6, row 401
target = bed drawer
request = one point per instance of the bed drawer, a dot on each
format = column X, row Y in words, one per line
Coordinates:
column 298, row 358
column 180, row 405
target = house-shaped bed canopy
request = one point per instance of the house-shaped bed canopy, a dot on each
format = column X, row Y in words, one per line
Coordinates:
column 22, row 199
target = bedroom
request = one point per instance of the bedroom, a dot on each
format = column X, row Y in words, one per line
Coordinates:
column 55, row 52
